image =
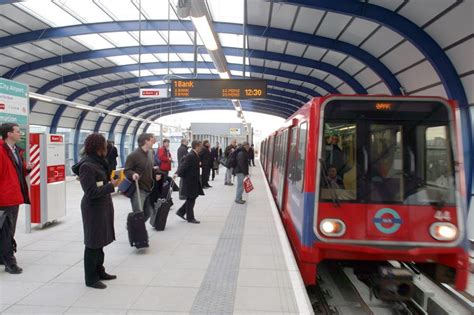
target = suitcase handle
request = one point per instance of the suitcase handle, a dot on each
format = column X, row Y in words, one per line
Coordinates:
column 170, row 190
column 139, row 196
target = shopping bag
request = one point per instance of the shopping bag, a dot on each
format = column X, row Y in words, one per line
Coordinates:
column 248, row 186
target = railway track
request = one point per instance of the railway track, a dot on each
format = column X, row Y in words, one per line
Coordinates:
column 340, row 292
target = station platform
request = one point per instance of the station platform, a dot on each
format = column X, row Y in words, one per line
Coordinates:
column 237, row 260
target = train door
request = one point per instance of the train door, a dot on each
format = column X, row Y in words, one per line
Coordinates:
column 274, row 157
column 282, row 169
column 274, row 180
column 270, row 157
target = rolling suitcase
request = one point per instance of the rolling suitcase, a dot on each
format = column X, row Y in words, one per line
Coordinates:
column 161, row 210
column 137, row 233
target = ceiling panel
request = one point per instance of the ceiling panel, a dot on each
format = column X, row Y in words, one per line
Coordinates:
column 283, row 15
column 404, row 55
column 257, row 62
column 345, row 89
column 14, row 57
column 381, row 41
column 367, row 77
column 334, row 81
column 257, row 12
column 32, row 80
column 309, row 85
column 418, row 76
column 26, row 19
column 295, row 49
column 321, row 91
column 457, row 24
column 307, row 20
column 255, row 42
column 287, row 67
column 358, row 31
column 462, row 56
column 303, row 70
column 10, row 26
column 468, row 83
column 420, row 13
column 351, row 65
column 380, row 88
column 272, row 64
column 314, row 53
column 433, row 91
column 276, row 45
column 319, row 74
column 389, row 4
column 333, row 24
column 334, row 57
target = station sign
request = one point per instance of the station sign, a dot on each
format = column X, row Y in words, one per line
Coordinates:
column 14, row 106
column 153, row 93
column 218, row 89
column 234, row 131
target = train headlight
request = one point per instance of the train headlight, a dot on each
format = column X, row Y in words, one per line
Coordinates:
column 442, row 231
column 332, row 227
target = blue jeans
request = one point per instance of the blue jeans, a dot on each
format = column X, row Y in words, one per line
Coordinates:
column 228, row 175
column 240, row 186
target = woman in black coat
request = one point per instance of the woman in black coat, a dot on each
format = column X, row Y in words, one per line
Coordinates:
column 97, row 209
column 191, row 188
column 206, row 163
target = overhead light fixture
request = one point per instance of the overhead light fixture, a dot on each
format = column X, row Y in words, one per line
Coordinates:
column 205, row 32
column 83, row 107
column 41, row 97
column 224, row 75
column 114, row 114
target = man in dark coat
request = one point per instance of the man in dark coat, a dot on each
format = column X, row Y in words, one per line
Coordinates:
column 251, row 156
column 112, row 155
column 188, row 170
column 241, row 171
column 182, row 152
column 13, row 171
column 227, row 152
column 206, row 164
column 97, row 209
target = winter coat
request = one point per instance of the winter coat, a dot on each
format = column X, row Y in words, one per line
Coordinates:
column 251, row 153
column 188, row 170
column 242, row 163
column 165, row 159
column 182, row 152
column 12, row 178
column 112, row 155
column 140, row 162
column 96, row 206
column 206, row 160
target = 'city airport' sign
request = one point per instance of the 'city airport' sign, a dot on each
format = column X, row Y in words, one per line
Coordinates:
column 14, row 106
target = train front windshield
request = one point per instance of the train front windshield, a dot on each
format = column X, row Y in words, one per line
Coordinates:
column 387, row 152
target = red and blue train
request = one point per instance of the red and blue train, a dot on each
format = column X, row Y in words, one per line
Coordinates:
column 368, row 179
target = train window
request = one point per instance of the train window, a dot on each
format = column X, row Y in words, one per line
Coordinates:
column 293, row 173
column 438, row 164
column 301, row 154
column 386, row 163
column 338, row 176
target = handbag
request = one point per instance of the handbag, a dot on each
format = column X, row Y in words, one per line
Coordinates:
column 215, row 164
column 248, row 186
column 127, row 188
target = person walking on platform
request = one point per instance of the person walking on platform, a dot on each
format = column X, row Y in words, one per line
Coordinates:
column 112, row 155
column 97, row 208
column 182, row 152
column 206, row 163
column 251, row 156
column 241, row 171
column 139, row 167
column 188, row 170
column 13, row 171
column 227, row 152
column 164, row 157
column 216, row 156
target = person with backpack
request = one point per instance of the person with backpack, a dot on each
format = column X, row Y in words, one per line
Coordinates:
column 163, row 158
column 227, row 152
column 241, row 170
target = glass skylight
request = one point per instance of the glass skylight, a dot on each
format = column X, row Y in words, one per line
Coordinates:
column 160, row 71
column 150, row 38
column 236, row 59
column 204, row 71
column 143, row 73
column 177, row 37
column 145, row 58
column 48, row 12
column 186, row 57
column 122, row 60
column 156, row 9
column 204, row 57
column 158, row 82
column 119, row 9
column 87, row 10
column 164, row 57
column 231, row 40
column 227, row 11
column 93, row 41
column 181, row 71
column 121, row 39
column 237, row 73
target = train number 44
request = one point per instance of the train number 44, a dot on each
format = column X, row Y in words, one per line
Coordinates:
column 442, row 215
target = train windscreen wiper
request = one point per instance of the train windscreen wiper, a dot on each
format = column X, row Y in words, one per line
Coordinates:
column 335, row 198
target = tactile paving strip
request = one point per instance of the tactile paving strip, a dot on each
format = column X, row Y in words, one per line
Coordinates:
column 217, row 292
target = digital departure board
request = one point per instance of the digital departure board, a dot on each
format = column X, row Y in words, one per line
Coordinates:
column 212, row 89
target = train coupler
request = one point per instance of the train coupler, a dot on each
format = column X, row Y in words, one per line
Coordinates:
column 393, row 284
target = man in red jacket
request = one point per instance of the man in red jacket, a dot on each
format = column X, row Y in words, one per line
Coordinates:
column 13, row 171
column 164, row 156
